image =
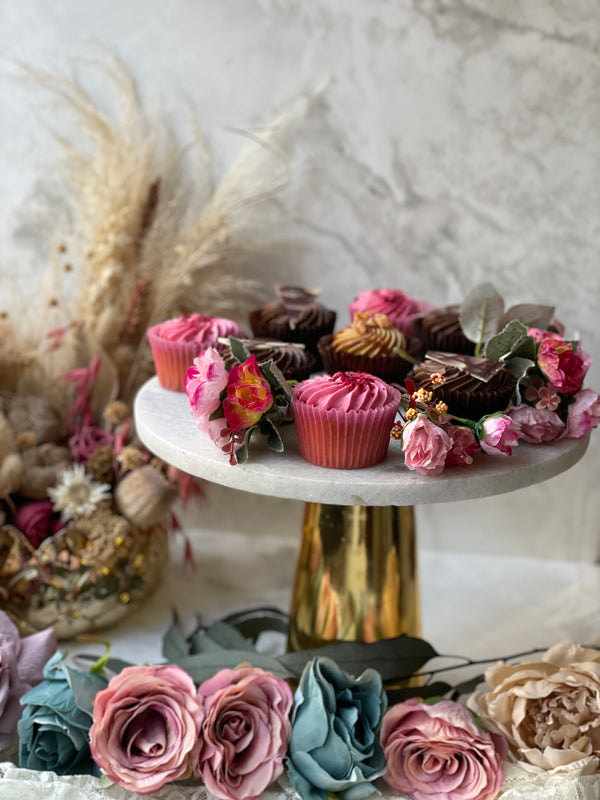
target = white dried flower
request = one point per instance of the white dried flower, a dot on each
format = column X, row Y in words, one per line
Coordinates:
column 76, row 494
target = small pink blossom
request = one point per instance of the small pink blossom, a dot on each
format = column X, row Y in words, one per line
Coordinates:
column 548, row 398
column 463, row 446
column 500, row 434
column 204, row 383
column 425, row 446
column 583, row 414
column 537, row 424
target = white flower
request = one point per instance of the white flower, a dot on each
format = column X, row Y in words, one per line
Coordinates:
column 76, row 494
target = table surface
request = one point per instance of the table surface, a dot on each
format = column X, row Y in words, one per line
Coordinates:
column 165, row 425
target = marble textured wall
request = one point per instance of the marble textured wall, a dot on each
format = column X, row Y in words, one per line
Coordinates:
column 452, row 141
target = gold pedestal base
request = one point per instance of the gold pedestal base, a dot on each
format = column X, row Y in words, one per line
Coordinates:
column 356, row 578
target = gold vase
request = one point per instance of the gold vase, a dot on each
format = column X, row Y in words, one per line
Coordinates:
column 356, row 578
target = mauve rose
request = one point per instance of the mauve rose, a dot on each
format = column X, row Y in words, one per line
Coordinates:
column 204, row 383
column 425, row 446
column 21, row 668
column 500, row 435
column 245, row 733
column 145, row 726
column 583, row 414
column 564, row 367
column 537, row 424
column 436, row 752
column 37, row 521
column 463, row 445
column 248, row 395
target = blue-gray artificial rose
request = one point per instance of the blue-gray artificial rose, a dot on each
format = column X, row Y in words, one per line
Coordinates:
column 54, row 728
column 335, row 732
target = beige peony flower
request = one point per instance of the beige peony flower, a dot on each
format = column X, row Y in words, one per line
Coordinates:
column 548, row 710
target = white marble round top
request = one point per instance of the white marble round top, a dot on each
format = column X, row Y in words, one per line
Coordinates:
column 165, row 425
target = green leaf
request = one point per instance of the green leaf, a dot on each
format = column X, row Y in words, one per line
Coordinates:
column 395, row 659
column 241, row 454
column 275, row 379
column 174, row 645
column 481, row 313
column 201, row 643
column 254, row 621
column 501, row 345
column 227, row 636
column 530, row 314
column 273, row 438
column 468, row 686
column 238, row 350
column 519, row 367
column 204, row 665
column 430, row 693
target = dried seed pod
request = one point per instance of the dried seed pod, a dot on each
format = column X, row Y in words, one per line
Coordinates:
column 36, row 414
column 144, row 496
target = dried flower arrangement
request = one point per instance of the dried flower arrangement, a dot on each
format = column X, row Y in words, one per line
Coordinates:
column 143, row 238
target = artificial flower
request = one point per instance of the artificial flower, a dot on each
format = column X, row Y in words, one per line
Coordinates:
column 248, row 395
column 583, row 414
column 425, row 446
column 463, row 445
column 21, row 667
column 563, row 364
column 335, row 732
column 204, row 383
column 537, row 424
column 548, row 710
column 145, row 725
column 245, row 733
column 37, row 522
column 437, row 751
column 54, row 729
column 499, row 434
column 76, row 494
column 547, row 398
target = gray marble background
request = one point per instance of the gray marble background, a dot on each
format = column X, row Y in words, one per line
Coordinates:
column 451, row 141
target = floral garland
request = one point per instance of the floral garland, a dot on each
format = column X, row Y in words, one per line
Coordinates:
column 238, row 729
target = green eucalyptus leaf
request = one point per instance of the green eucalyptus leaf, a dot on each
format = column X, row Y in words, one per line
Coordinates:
column 431, row 692
column 481, row 313
column 174, row 644
column 530, row 314
column 502, row 344
column 201, row 643
column 468, row 686
column 519, row 367
column 254, row 621
column 227, row 636
column 274, row 376
column 202, row 666
column 85, row 686
column 238, row 350
column 273, row 438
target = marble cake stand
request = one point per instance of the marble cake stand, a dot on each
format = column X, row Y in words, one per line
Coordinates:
column 356, row 577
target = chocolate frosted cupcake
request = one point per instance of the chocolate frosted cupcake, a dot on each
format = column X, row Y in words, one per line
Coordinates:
column 440, row 330
column 295, row 316
column 471, row 387
column 293, row 360
column 370, row 344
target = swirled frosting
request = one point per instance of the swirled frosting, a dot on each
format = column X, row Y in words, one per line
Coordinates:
column 345, row 391
column 369, row 335
column 290, row 358
column 198, row 329
column 398, row 307
column 312, row 315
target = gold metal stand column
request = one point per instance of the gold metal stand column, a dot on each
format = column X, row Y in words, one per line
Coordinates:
column 356, row 578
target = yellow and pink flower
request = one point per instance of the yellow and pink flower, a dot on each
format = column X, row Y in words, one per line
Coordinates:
column 248, row 395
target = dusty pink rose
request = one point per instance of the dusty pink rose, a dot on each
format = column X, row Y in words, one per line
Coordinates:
column 463, row 446
column 437, row 752
column 248, row 395
column 246, row 732
column 21, row 668
column 37, row 521
column 145, row 725
column 538, row 334
column 583, row 414
column 537, row 424
column 425, row 446
column 204, row 383
column 500, row 434
column 564, row 364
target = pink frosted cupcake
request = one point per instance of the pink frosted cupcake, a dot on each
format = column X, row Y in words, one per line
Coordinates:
column 344, row 420
column 398, row 307
column 175, row 344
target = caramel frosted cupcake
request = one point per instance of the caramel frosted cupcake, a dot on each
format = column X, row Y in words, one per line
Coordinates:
column 295, row 316
column 344, row 420
column 471, row 387
column 293, row 360
column 369, row 344
column 440, row 330
column 399, row 308
column 175, row 344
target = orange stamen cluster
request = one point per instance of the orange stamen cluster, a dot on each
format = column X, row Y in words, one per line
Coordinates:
column 396, row 432
column 422, row 396
column 441, row 407
column 437, row 378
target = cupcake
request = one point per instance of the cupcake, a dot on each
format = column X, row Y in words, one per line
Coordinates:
column 295, row 316
column 440, row 330
column 398, row 307
column 344, row 420
column 175, row 344
column 471, row 387
column 369, row 344
column 293, row 360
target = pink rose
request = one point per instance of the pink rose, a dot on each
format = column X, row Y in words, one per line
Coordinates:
column 425, row 446
column 583, row 414
column 564, row 367
column 145, row 725
column 500, row 434
column 37, row 522
column 248, row 395
column 463, row 445
column 245, row 733
column 537, row 424
column 204, row 383
column 437, row 752
column 21, row 668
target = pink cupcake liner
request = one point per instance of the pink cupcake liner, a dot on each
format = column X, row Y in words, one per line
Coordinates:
column 172, row 360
